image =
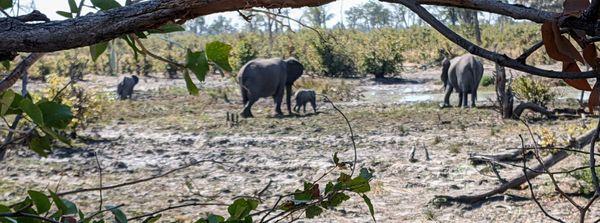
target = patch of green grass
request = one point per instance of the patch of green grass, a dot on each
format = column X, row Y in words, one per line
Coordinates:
column 455, row 148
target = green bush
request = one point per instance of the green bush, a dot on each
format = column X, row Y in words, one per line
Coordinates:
column 487, row 81
column 383, row 54
column 528, row 89
column 242, row 53
column 333, row 60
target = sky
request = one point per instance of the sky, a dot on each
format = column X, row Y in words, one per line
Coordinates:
column 49, row 8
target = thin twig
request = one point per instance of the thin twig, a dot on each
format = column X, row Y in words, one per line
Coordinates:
column 129, row 183
column 100, row 179
column 174, row 207
column 531, row 186
column 351, row 132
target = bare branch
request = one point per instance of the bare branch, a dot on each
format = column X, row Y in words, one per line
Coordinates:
column 129, row 183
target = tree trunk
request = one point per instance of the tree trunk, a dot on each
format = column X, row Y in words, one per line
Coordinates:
column 504, row 95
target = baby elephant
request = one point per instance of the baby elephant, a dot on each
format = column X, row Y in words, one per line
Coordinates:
column 125, row 88
column 303, row 96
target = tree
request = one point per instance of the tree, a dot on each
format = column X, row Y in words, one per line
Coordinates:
column 317, row 16
column 368, row 16
column 221, row 25
column 197, row 25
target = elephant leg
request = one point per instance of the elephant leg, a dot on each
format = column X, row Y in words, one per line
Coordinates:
column 304, row 108
column 473, row 98
column 449, row 90
column 247, row 113
column 288, row 98
column 460, row 99
column 313, row 104
column 278, row 99
column 465, row 99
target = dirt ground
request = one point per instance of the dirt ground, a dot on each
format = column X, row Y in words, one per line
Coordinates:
column 164, row 128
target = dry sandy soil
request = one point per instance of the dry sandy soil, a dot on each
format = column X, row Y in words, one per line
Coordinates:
column 163, row 128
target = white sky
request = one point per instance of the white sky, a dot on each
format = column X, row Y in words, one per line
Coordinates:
column 49, row 7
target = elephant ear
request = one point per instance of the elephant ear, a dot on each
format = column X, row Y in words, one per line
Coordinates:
column 294, row 70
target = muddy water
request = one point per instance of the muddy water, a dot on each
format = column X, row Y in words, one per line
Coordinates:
column 410, row 93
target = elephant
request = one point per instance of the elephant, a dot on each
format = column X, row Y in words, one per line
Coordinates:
column 304, row 96
column 462, row 73
column 125, row 88
column 261, row 78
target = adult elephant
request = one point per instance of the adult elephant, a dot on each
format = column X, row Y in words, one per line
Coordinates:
column 462, row 74
column 262, row 78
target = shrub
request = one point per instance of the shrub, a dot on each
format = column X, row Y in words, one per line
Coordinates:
column 242, row 53
column 383, row 54
column 86, row 104
column 487, row 81
column 333, row 61
column 528, row 89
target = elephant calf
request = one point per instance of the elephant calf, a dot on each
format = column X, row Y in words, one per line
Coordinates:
column 262, row 78
column 303, row 97
column 462, row 73
column 125, row 88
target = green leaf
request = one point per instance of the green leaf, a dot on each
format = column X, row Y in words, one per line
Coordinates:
column 41, row 145
column 56, row 135
column 359, row 185
column 313, row 211
column 71, row 207
column 215, row 219
column 40, row 200
column 119, row 215
column 58, row 202
column 106, row 4
column 7, row 99
column 328, row 187
column 337, row 199
column 197, row 63
column 65, row 14
column 370, row 205
column 152, row 219
column 241, row 208
column 6, row 4
column 336, row 160
column 190, row 84
column 97, row 50
column 73, row 7
column 168, row 28
column 365, row 173
column 55, row 115
column 6, row 64
column 218, row 53
column 33, row 111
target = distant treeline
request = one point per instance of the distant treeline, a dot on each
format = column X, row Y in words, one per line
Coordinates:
column 333, row 52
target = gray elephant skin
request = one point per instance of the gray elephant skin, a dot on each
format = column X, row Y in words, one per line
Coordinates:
column 303, row 97
column 125, row 88
column 261, row 78
column 462, row 74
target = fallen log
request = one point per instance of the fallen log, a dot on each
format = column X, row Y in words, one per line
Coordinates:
column 537, row 170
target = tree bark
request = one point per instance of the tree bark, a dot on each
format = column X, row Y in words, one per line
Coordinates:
column 537, row 170
column 87, row 30
column 504, row 96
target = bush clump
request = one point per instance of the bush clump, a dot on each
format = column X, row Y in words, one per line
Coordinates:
column 528, row 89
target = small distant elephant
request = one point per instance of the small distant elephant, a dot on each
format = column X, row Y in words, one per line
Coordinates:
column 462, row 73
column 303, row 97
column 125, row 88
column 262, row 78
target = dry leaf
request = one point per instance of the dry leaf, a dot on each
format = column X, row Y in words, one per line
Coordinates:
column 594, row 99
column 590, row 54
column 564, row 46
column 550, row 44
column 580, row 84
column 575, row 6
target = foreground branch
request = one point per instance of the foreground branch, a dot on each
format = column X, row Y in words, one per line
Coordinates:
column 535, row 171
column 106, row 25
column 501, row 59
